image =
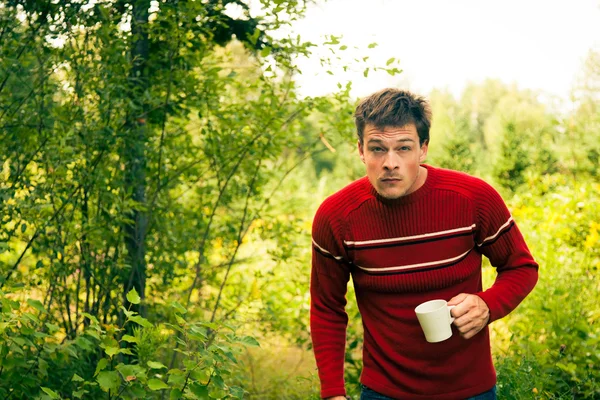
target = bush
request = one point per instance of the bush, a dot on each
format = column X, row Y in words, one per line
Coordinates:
column 37, row 361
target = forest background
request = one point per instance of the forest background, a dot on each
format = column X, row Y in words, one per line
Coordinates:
column 158, row 177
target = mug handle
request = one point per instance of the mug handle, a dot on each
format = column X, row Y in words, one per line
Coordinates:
column 451, row 317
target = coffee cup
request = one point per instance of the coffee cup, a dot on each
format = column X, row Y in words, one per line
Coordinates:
column 435, row 319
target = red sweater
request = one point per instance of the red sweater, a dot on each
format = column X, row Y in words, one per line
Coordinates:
column 423, row 246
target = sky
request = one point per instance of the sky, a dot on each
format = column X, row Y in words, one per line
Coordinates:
column 446, row 44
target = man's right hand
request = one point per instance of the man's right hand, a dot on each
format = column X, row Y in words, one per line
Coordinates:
column 336, row 398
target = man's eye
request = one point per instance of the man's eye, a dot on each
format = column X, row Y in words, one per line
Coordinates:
column 405, row 148
column 376, row 149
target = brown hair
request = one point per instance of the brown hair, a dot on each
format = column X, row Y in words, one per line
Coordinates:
column 394, row 108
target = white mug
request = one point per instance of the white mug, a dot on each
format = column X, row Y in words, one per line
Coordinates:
column 435, row 319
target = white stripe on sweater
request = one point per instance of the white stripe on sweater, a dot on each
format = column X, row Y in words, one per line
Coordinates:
column 401, row 239
column 487, row 239
column 411, row 266
column 325, row 251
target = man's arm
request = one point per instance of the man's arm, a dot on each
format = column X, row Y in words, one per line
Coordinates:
column 499, row 239
column 328, row 318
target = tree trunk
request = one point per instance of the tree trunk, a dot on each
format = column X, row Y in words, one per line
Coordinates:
column 135, row 155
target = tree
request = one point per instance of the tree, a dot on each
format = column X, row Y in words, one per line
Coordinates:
column 140, row 144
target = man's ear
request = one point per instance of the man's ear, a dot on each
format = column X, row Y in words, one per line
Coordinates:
column 423, row 150
column 361, row 151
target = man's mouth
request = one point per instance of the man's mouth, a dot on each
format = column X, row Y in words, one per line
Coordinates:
column 391, row 179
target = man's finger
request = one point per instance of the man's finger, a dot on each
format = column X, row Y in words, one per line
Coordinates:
column 463, row 307
column 470, row 334
column 459, row 298
column 470, row 315
column 463, row 329
column 463, row 321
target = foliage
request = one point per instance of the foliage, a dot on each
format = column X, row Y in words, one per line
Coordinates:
column 555, row 335
column 158, row 179
column 36, row 363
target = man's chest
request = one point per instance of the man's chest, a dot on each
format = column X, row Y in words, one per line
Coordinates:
column 410, row 240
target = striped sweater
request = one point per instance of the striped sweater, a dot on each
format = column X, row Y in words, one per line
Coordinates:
column 400, row 253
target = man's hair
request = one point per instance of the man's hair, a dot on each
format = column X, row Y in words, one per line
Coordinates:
column 394, row 108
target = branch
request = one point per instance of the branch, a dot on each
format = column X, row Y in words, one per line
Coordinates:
column 240, row 234
column 55, row 215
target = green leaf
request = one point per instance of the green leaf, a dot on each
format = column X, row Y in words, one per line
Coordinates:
column 101, row 365
column 133, row 297
column 175, row 394
column 265, row 51
column 126, row 312
column 91, row 317
column 141, row 321
column 249, row 341
column 31, row 317
column 393, row 71
column 174, row 327
column 373, row 45
column 37, row 305
column 236, row 392
column 52, row 328
column 201, row 375
column 51, row 393
column 391, row 60
column 77, row 378
column 366, row 72
column 157, row 384
column 156, row 365
column 111, row 351
column 218, row 381
column 209, row 325
column 176, row 377
column 109, row 380
column 129, row 370
column 333, row 40
column 79, row 393
column 178, row 307
column 200, row 391
column 217, row 393
column 344, row 47
column 180, row 320
column 129, row 339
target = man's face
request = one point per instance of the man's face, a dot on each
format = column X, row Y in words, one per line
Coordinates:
column 392, row 156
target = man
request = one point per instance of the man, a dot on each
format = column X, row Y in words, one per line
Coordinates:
column 409, row 233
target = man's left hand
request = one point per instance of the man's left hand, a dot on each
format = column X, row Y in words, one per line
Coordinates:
column 471, row 314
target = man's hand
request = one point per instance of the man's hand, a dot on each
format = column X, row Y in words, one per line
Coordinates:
column 471, row 314
column 336, row 398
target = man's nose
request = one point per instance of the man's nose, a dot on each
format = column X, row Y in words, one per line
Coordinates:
column 391, row 161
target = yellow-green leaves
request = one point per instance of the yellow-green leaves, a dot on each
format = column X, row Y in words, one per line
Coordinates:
column 108, row 380
column 156, row 365
column 50, row 392
column 157, row 384
column 141, row 321
column 133, row 297
column 37, row 305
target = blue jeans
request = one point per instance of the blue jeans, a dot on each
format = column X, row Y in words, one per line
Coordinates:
column 368, row 394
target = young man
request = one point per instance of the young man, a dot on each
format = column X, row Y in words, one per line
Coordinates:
column 409, row 233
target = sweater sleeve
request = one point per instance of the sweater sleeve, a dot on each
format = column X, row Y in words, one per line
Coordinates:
column 328, row 318
column 499, row 239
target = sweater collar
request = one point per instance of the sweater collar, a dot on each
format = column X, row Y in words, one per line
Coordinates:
column 414, row 196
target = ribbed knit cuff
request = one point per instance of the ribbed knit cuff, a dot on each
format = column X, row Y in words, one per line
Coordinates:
column 333, row 391
column 490, row 304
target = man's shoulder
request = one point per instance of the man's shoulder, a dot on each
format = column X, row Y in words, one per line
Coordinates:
column 469, row 186
column 341, row 203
